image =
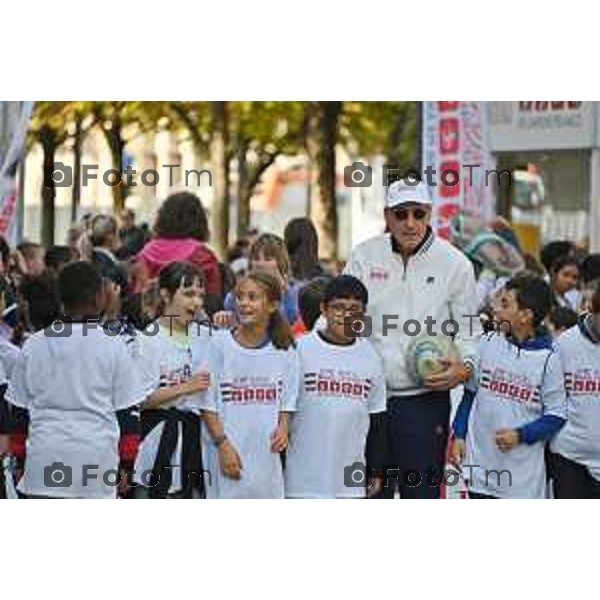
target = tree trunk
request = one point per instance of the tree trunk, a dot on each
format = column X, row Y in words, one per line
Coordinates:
column 395, row 139
column 324, row 209
column 220, row 172
column 250, row 181
column 243, row 198
column 76, row 190
column 49, row 142
column 311, row 145
column 116, row 145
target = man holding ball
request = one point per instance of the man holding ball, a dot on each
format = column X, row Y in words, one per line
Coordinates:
column 418, row 284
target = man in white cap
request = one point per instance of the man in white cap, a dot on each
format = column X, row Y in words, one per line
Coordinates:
column 418, row 284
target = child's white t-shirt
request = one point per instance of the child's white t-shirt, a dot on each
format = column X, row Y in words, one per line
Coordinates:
column 72, row 387
column 252, row 386
column 516, row 386
column 340, row 387
column 579, row 439
column 165, row 361
column 9, row 353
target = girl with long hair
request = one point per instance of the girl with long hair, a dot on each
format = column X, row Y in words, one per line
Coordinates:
column 255, row 369
column 169, row 461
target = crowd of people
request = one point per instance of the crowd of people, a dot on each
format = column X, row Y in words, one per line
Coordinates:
column 136, row 364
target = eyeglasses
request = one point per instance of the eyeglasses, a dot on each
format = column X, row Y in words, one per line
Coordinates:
column 418, row 214
column 341, row 309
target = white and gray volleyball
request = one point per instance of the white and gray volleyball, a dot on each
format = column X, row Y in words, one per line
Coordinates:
column 424, row 355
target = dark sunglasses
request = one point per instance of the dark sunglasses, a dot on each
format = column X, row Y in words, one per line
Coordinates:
column 402, row 213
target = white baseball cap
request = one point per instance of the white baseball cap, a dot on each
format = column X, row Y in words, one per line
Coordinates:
column 399, row 192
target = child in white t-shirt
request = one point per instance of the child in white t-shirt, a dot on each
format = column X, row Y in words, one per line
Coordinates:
column 176, row 377
column 342, row 400
column 119, row 320
column 72, row 379
column 8, row 357
column 575, row 457
column 515, row 403
column 254, row 389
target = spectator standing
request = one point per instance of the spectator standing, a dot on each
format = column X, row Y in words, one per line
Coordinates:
column 181, row 231
column 131, row 236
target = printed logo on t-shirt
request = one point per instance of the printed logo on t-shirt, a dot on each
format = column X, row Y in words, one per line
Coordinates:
column 583, row 382
column 336, row 382
column 514, row 386
column 251, row 390
column 169, row 377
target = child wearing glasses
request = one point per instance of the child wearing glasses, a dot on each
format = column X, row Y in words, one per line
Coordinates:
column 339, row 415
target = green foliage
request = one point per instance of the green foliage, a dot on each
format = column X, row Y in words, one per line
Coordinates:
column 261, row 127
column 48, row 118
column 255, row 132
column 387, row 128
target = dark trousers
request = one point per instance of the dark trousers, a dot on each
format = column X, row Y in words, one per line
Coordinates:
column 2, row 483
column 571, row 480
column 139, row 492
column 417, row 436
column 477, row 496
column 36, row 497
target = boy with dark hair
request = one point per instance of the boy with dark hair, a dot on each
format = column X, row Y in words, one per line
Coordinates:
column 39, row 302
column 57, row 257
column 560, row 319
column 72, row 379
column 515, row 402
column 555, row 250
column 338, row 424
column 590, row 268
column 575, row 458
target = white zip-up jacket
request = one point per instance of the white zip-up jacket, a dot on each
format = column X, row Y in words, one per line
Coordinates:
column 437, row 283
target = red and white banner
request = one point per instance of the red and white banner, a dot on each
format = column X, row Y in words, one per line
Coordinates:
column 457, row 161
column 14, row 122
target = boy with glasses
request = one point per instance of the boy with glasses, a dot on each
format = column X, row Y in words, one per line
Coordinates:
column 341, row 402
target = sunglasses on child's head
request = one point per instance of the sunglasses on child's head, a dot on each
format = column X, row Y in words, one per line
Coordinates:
column 401, row 214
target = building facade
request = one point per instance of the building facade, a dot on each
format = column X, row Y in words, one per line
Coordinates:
column 561, row 140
